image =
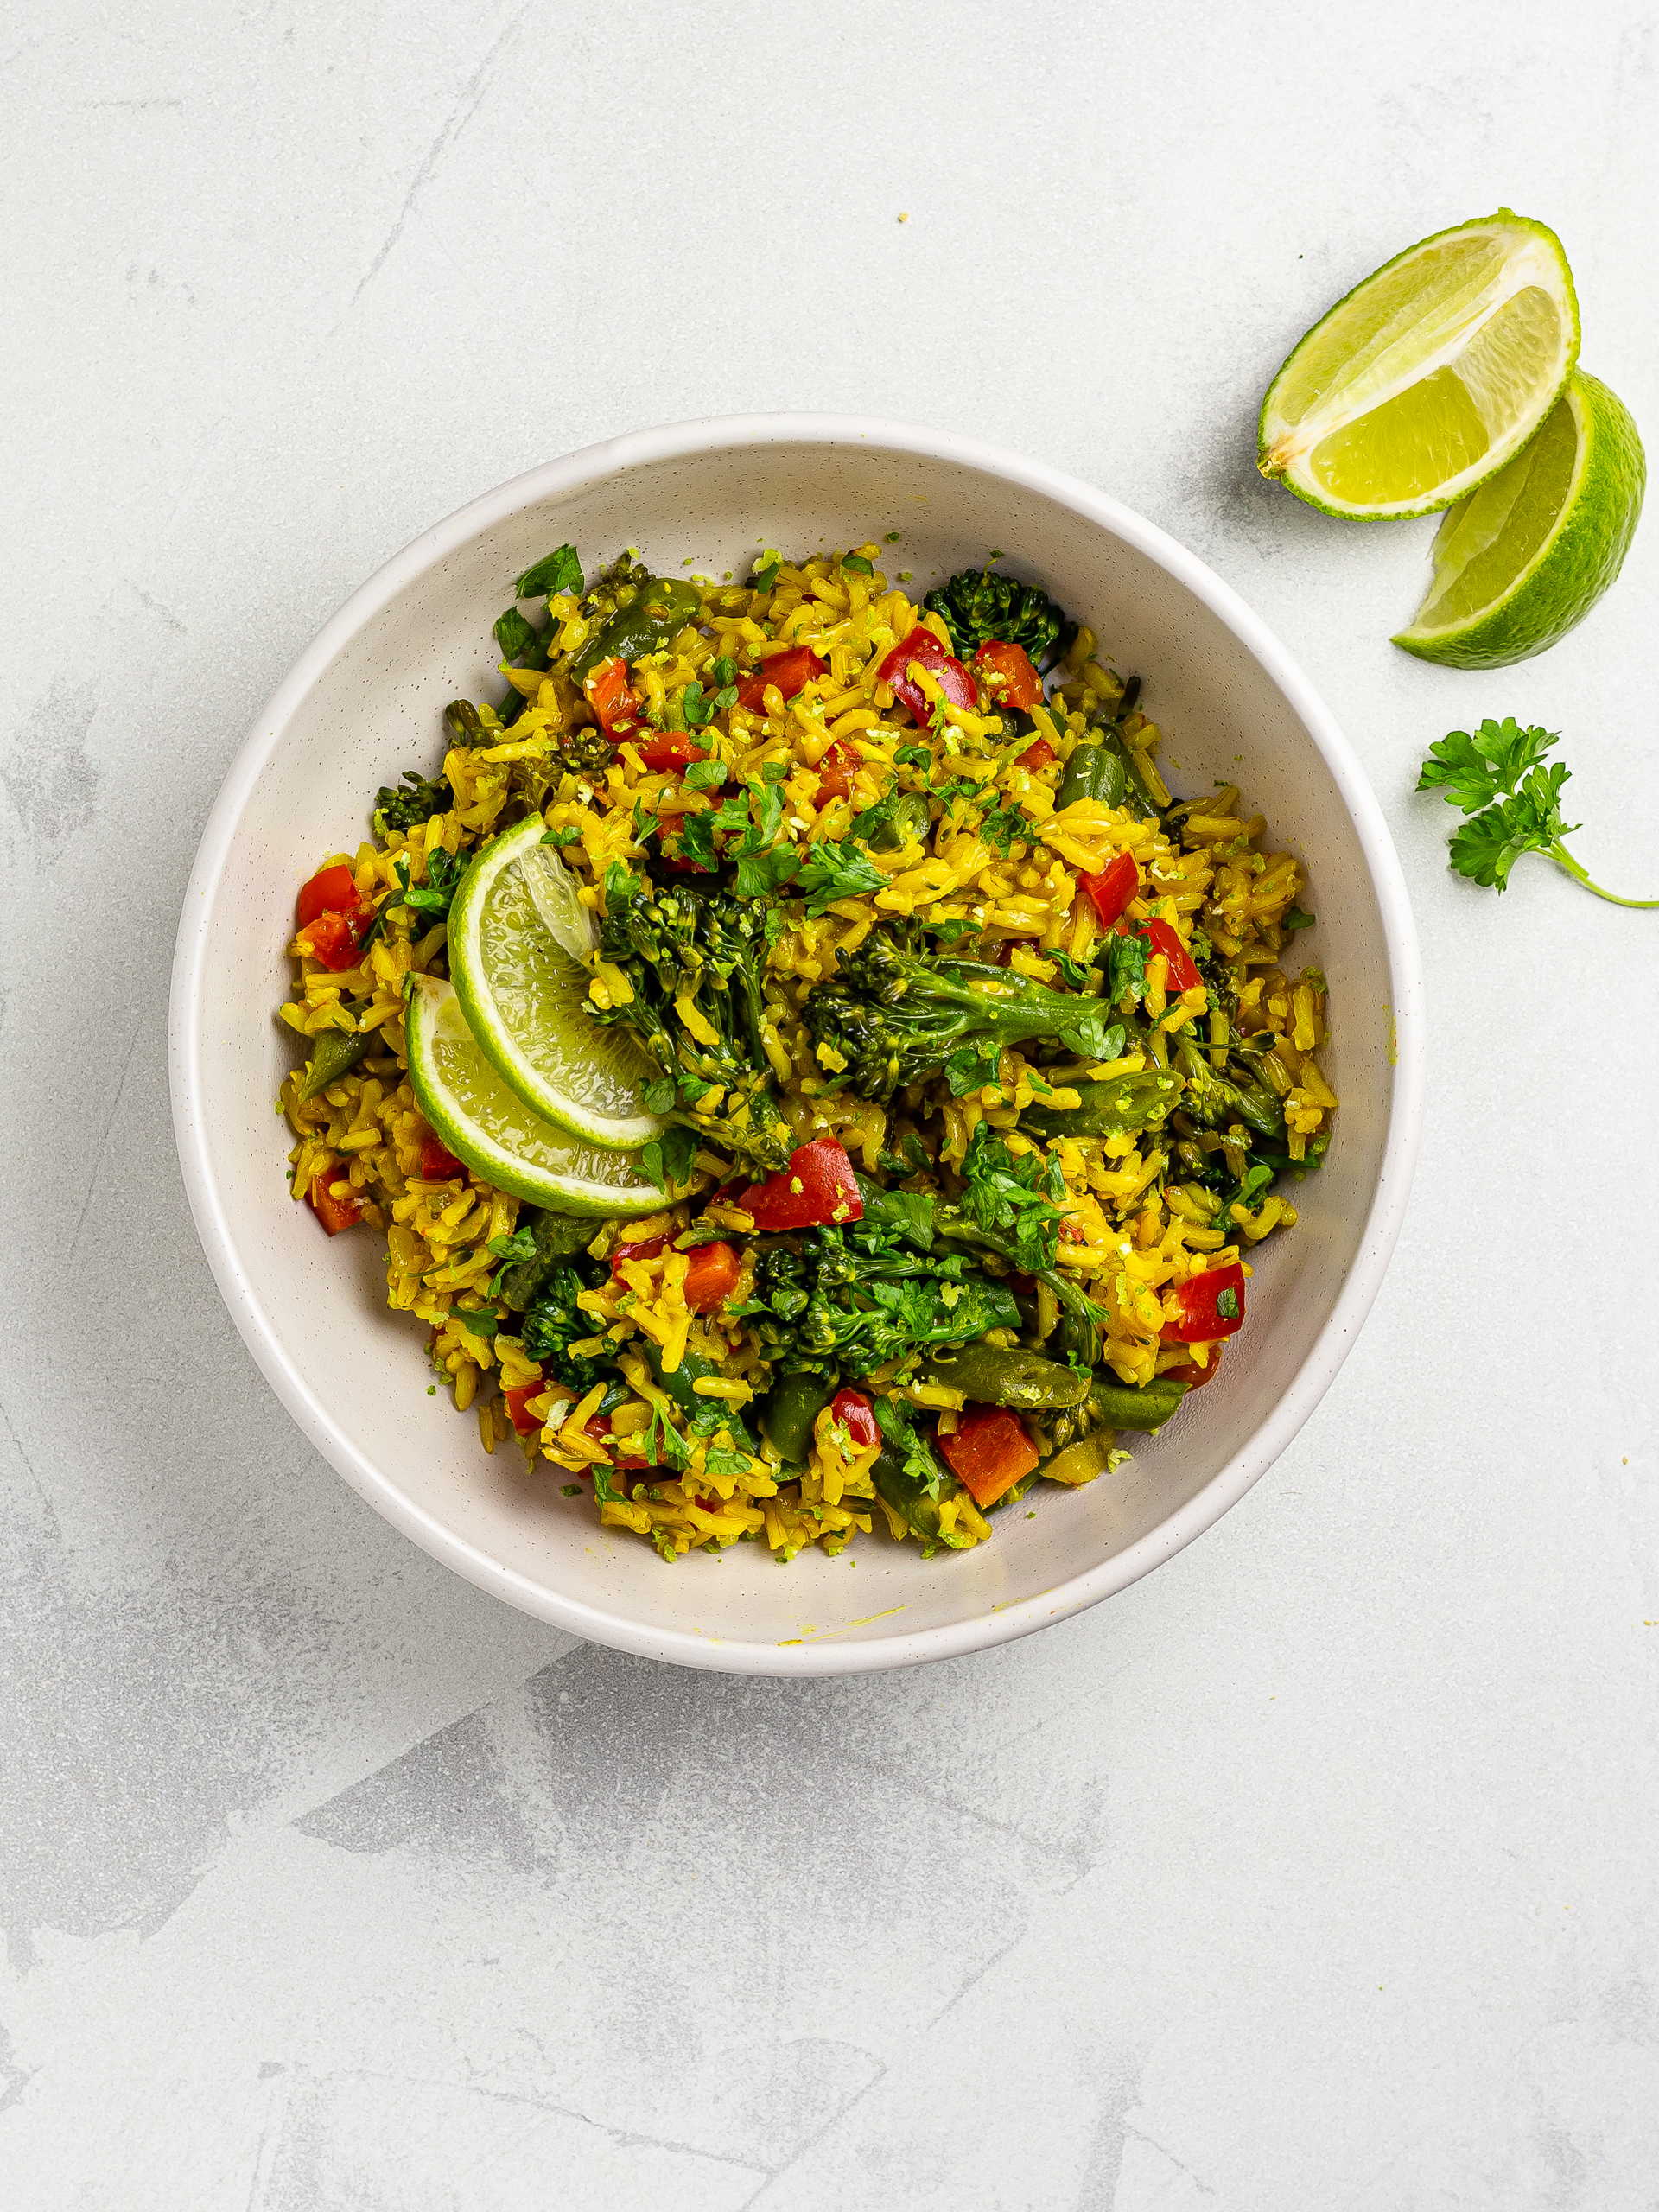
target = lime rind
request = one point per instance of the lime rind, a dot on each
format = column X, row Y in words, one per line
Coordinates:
column 487, row 1125
column 1398, row 343
column 524, row 996
column 1575, row 552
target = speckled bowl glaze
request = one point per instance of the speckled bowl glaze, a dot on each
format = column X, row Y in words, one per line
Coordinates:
column 363, row 703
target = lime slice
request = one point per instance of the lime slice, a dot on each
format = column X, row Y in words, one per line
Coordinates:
column 482, row 1122
column 1429, row 376
column 516, row 941
column 1519, row 562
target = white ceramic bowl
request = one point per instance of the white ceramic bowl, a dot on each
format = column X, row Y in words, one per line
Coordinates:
column 363, row 703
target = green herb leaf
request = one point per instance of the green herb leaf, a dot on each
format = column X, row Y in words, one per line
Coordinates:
column 705, row 775
column 764, row 579
column 476, row 1322
column 560, row 571
column 515, row 636
column 1472, row 771
column 759, row 875
column 668, row 1159
column 1296, row 919
column 831, row 872
column 858, row 564
column 1227, row 1304
column 1485, row 847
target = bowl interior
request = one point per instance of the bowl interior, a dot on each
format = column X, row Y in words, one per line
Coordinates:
column 366, row 702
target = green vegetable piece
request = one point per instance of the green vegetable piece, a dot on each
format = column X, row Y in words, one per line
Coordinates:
column 397, row 809
column 988, row 1376
column 1114, row 1108
column 559, row 571
column 858, row 564
column 893, row 822
column 1119, row 1406
column 1095, row 771
column 978, row 605
column 657, row 610
column 911, row 1481
column 896, row 1017
column 1217, row 1101
column 333, row 1052
column 551, row 1237
column 790, row 1408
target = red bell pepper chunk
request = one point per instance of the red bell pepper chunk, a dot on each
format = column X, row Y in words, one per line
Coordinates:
column 1183, row 976
column 647, row 1249
column 1006, row 672
column 331, row 890
column 1110, row 892
column 335, row 938
column 952, row 678
column 613, row 699
column 711, row 1278
column 1208, row 1306
column 987, row 1451
column 526, row 1423
column 438, row 1163
column 1039, row 754
column 1189, row 1371
column 333, row 918
column 816, row 1189
column 791, row 672
column 836, row 770
column 669, row 752
column 857, row 1416
column 334, row 1213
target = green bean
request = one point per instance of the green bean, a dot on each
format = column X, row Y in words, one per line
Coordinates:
column 1093, row 772
column 335, row 1051
column 1116, row 1107
column 991, row 1376
column 1119, row 1406
column 557, row 1236
column 790, row 1408
column 659, row 611
column 906, row 816
column 679, row 1385
column 907, row 1494
column 1215, row 1100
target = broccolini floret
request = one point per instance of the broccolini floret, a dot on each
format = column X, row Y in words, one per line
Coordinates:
column 397, row 809
column 978, row 605
column 891, row 1018
column 694, row 962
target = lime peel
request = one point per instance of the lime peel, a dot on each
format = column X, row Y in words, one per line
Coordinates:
column 513, row 929
column 473, row 1112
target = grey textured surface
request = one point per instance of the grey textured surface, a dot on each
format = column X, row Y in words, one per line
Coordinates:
column 1319, row 1869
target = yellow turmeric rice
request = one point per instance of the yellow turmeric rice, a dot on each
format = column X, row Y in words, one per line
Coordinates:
column 977, row 1060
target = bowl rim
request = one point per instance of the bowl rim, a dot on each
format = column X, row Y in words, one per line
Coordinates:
column 841, row 1655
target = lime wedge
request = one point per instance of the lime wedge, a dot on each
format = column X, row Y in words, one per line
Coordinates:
column 1429, row 376
column 517, row 934
column 482, row 1122
column 1519, row 562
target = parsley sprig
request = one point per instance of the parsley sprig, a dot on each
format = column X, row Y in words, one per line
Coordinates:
column 1498, row 777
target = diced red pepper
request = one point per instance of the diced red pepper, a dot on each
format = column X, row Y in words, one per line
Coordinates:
column 1039, row 754
column 331, row 890
column 669, row 752
column 949, row 673
column 677, row 864
column 711, row 1278
column 1183, row 976
column 987, row 1451
column 1111, row 890
column 816, row 1189
column 836, row 770
column 648, row 1248
column 526, row 1423
column 791, row 672
column 613, row 699
column 1207, row 1306
column 1006, row 672
column 334, row 1213
column 438, row 1163
column 333, row 918
column 1189, row 1371
column 857, row 1416
column 335, row 938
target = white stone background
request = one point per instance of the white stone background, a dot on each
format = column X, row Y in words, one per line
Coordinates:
column 1317, row 1869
